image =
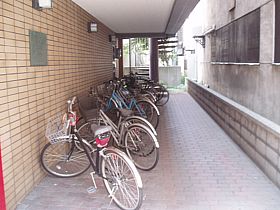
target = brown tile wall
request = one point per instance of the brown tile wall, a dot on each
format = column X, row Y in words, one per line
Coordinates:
column 30, row 95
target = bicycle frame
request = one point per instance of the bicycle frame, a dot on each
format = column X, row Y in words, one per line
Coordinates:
column 117, row 130
column 133, row 102
column 99, row 152
column 118, row 100
column 72, row 133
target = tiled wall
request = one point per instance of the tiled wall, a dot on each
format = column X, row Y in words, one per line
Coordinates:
column 30, row 95
column 257, row 136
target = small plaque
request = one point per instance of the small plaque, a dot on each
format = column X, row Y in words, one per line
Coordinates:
column 38, row 48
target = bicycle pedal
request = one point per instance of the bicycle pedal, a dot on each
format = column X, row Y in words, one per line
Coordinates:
column 91, row 189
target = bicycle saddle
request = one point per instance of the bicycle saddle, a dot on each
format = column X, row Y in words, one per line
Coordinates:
column 100, row 129
column 126, row 112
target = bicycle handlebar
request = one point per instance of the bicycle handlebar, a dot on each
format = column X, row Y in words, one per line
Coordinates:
column 73, row 100
column 70, row 103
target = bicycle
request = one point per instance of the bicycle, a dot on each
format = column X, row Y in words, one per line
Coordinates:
column 150, row 88
column 61, row 158
column 133, row 134
column 142, row 107
column 88, row 109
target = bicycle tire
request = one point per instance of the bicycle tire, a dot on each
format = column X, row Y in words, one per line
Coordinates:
column 163, row 95
column 56, row 161
column 141, row 146
column 121, row 179
column 150, row 110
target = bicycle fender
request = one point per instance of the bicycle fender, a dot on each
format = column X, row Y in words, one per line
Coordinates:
column 151, row 104
column 114, row 102
column 145, row 121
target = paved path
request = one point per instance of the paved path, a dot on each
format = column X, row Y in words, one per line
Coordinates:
column 200, row 168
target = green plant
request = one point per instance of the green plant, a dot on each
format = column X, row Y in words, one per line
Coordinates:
column 183, row 80
column 166, row 56
column 138, row 46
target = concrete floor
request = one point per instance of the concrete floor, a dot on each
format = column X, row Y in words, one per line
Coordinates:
column 200, row 168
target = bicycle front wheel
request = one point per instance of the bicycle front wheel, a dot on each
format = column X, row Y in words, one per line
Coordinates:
column 121, row 179
column 63, row 159
column 141, row 146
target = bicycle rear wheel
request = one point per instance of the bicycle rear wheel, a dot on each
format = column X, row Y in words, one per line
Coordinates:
column 63, row 159
column 121, row 179
column 141, row 146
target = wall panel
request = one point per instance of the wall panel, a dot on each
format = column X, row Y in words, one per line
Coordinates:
column 29, row 95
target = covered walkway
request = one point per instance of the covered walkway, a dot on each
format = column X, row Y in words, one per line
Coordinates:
column 200, row 168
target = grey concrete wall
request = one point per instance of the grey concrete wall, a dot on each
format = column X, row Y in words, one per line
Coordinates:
column 169, row 75
column 256, row 87
column 135, row 69
column 218, row 11
column 257, row 136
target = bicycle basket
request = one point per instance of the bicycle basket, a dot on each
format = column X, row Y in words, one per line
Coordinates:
column 88, row 107
column 57, row 128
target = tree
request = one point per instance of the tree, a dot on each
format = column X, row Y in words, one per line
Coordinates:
column 166, row 56
column 139, row 47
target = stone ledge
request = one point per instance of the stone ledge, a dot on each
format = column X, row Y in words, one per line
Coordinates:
column 257, row 136
column 273, row 127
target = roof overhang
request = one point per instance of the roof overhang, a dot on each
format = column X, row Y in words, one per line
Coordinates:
column 180, row 12
column 140, row 18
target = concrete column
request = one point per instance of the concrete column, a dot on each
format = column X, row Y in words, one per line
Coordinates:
column 154, row 59
column 120, row 46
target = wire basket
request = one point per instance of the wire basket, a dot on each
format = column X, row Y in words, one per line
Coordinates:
column 56, row 128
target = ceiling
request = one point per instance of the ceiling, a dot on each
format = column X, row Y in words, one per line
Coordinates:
column 140, row 17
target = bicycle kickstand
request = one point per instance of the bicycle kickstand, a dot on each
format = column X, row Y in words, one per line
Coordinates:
column 92, row 189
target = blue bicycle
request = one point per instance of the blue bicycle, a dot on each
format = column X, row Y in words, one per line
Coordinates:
column 121, row 99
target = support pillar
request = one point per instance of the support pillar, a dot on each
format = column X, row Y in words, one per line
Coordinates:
column 2, row 192
column 120, row 46
column 154, row 59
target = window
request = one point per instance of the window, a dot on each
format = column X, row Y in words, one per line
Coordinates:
column 239, row 41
